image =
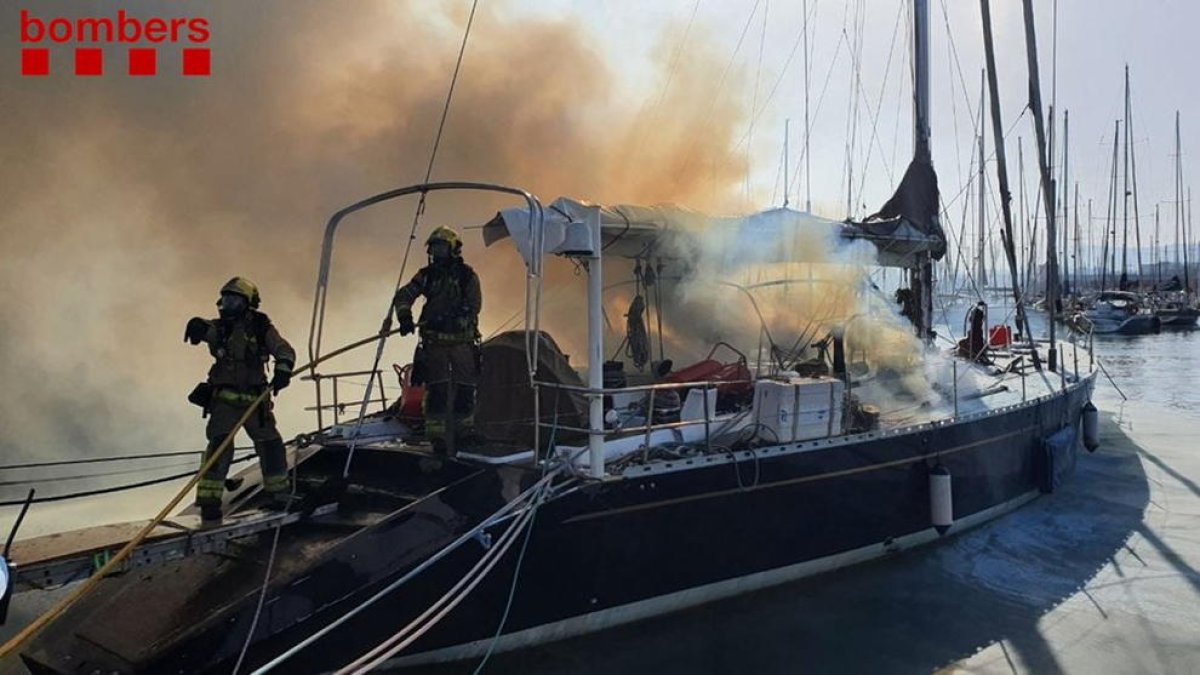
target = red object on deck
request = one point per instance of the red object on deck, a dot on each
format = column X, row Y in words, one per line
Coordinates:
column 736, row 375
column 410, row 395
column 410, row 403
column 1000, row 336
column 700, row 371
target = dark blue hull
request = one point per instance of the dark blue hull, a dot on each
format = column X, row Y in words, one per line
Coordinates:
column 667, row 536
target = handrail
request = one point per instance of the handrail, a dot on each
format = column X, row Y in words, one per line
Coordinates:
column 341, row 406
column 640, row 428
column 338, row 406
column 317, row 322
column 605, row 391
column 533, row 285
column 347, row 373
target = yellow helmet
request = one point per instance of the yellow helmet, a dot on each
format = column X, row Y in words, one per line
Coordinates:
column 243, row 287
column 447, row 235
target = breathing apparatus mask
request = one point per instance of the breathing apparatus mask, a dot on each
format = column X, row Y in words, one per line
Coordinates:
column 439, row 251
column 232, row 305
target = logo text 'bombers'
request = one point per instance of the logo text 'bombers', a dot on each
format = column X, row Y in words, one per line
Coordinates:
column 91, row 34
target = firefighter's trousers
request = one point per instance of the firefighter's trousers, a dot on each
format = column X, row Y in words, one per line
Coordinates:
column 268, row 445
column 451, row 374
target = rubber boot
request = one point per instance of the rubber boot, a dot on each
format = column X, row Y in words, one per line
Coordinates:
column 272, row 460
column 210, row 514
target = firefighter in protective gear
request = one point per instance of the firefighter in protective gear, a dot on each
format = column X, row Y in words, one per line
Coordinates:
column 446, row 360
column 241, row 340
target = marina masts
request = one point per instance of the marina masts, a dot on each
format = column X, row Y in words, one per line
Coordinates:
column 1002, row 169
column 1066, row 185
column 1110, row 216
column 1075, row 256
column 982, row 188
column 1124, row 279
column 1181, row 234
column 1137, row 221
column 1035, row 102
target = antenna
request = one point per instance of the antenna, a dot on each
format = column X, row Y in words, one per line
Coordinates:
column 786, row 159
column 807, row 162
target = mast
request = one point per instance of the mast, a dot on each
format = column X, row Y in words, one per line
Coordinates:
column 1002, row 170
column 1048, row 184
column 1178, row 198
column 1110, row 226
column 1076, row 255
column 1181, row 229
column 921, row 150
column 1137, row 221
column 1023, row 213
column 807, row 155
column 1066, row 185
column 982, row 190
column 1125, row 196
column 1091, row 242
column 1187, row 240
column 1112, row 219
column 786, row 158
column 1157, row 252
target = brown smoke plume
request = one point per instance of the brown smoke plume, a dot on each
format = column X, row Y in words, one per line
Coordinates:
column 127, row 202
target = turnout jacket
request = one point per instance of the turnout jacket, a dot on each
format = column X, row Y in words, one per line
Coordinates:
column 241, row 347
column 453, row 300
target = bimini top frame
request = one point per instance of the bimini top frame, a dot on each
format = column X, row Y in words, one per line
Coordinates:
column 534, row 267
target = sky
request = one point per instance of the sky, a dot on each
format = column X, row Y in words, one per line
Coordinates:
column 126, row 202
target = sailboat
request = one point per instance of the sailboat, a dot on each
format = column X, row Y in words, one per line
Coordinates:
column 1124, row 310
column 1174, row 301
column 593, row 502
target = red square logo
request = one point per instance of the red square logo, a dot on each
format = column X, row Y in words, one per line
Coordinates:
column 89, row 61
column 35, row 61
column 143, row 61
column 196, row 61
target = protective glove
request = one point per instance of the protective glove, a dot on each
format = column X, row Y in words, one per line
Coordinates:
column 196, row 329
column 406, row 324
column 281, row 379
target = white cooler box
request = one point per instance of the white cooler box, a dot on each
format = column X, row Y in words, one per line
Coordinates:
column 798, row 408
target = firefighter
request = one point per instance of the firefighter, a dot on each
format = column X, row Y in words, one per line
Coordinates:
column 241, row 340
column 447, row 356
column 975, row 345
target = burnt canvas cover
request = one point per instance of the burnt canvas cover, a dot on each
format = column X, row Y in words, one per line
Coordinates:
column 504, row 411
column 908, row 223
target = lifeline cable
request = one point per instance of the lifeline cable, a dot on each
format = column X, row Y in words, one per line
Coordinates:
column 112, row 489
column 298, row 647
column 387, row 320
column 262, row 594
column 419, row 626
column 512, row 590
column 118, row 458
column 101, row 474
column 87, row 586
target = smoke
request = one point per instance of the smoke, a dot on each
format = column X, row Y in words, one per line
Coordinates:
column 129, row 201
column 774, row 285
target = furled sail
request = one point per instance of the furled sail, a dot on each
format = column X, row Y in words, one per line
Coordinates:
column 907, row 227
